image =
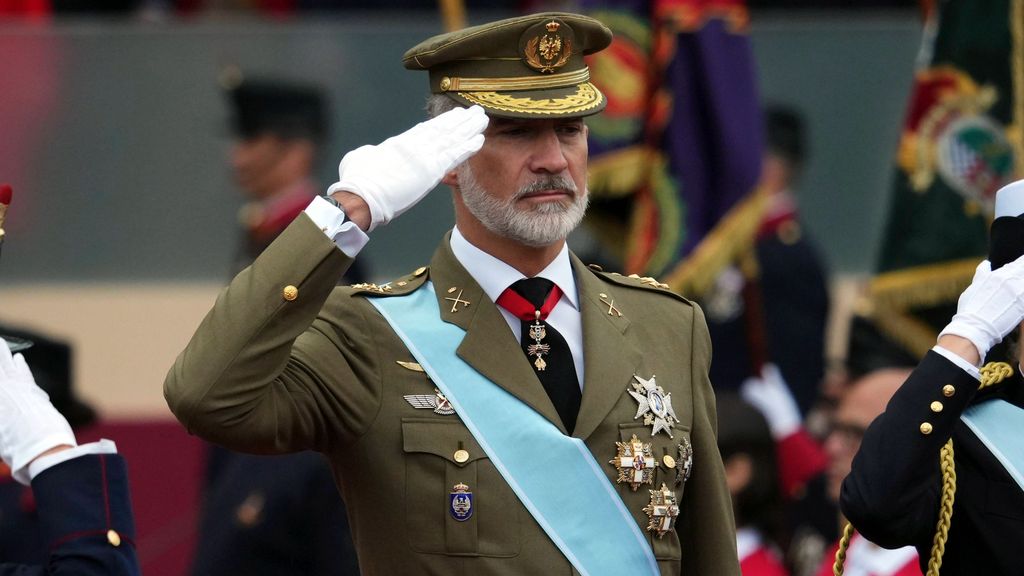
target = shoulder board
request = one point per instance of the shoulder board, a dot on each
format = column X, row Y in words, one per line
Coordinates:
column 398, row 287
column 636, row 281
column 994, row 373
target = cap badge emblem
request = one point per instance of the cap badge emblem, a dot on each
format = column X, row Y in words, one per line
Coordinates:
column 549, row 51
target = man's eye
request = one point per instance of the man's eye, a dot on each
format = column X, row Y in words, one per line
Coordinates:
column 570, row 130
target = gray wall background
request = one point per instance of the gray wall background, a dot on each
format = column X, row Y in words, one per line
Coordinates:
column 113, row 133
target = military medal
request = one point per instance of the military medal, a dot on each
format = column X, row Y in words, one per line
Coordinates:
column 684, row 465
column 538, row 349
column 460, row 502
column 635, row 463
column 437, row 402
column 654, row 405
column 662, row 511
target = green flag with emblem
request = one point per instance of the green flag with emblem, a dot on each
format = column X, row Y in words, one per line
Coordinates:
column 960, row 143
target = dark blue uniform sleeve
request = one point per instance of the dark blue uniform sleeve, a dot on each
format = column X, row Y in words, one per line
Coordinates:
column 85, row 509
column 893, row 491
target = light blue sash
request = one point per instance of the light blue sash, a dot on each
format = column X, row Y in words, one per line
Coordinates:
column 554, row 475
column 998, row 424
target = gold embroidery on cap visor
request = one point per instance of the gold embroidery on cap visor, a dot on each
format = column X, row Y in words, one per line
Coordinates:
column 464, row 84
column 587, row 97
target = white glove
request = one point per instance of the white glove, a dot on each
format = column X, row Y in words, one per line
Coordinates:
column 397, row 173
column 770, row 394
column 29, row 424
column 991, row 307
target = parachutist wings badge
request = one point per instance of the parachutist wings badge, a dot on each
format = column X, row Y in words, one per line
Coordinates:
column 435, row 401
column 654, row 405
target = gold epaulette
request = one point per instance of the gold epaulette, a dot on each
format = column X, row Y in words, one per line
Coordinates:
column 994, row 373
column 637, row 281
column 398, row 287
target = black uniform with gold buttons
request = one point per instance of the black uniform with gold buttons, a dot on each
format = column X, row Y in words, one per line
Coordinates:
column 894, row 489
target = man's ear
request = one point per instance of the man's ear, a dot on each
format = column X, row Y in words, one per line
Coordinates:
column 451, row 179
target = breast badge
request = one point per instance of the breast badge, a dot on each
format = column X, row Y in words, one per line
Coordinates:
column 654, row 405
column 635, row 463
column 460, row 502
column 662, row 511
column 436, row 401
column 684, row 465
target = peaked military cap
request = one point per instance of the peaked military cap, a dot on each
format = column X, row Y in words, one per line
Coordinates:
column 525, row 67
column 285, row 109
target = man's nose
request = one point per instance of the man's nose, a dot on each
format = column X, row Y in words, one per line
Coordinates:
column 548, row 155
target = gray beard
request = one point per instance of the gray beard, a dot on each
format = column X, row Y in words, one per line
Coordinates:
column 539, row 226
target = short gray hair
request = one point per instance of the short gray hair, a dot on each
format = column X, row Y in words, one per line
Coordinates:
column 438, row 104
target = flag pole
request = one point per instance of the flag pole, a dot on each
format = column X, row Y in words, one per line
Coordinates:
column 453, row 14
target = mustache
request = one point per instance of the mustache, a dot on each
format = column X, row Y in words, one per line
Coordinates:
column 549, row 183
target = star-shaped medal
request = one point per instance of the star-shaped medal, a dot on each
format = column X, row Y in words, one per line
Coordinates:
column 654, row 405
column 635, row 463
column 684, row 465
column 662, row 511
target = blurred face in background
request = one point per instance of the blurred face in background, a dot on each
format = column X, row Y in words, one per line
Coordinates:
column 862, row 402
column 266, row 164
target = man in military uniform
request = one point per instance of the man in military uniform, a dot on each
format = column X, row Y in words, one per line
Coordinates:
column 276, row 515
column 941, row 468
column 507, row 410
column 81, row 492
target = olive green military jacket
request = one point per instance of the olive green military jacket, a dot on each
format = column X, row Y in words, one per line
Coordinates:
column 287, row 361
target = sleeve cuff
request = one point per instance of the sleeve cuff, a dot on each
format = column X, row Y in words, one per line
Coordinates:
column 46, row 462
column 349, row 238
column 956, row 359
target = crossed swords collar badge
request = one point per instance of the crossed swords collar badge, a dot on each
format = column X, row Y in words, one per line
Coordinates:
column 653, row 404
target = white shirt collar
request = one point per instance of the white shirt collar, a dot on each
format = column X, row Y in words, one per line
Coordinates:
column 494, row 276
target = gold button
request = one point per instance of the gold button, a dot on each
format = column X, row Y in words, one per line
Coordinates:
column 461, row 456
column 290, row 293
column 948, row 390
column 926, row 428
column 114, row 538
column 669, row 461
column 936, row 406
column 419, row 271
column 446, row 83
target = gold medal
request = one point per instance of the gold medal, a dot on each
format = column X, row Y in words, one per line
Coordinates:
column 662, row 511
column 635, row 463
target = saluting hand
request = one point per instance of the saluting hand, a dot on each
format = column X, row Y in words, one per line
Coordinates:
column 394, row 175
column 991, row 307
column 29, row 424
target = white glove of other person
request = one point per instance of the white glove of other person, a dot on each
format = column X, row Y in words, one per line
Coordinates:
column 771, row 396
column 394, row 175
column 991, row 307
column 29, row 424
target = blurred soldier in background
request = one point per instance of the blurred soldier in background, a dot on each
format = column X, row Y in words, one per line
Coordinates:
column 751, row 473
column 861, row 403
column 774, row 317
column 277, row 515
